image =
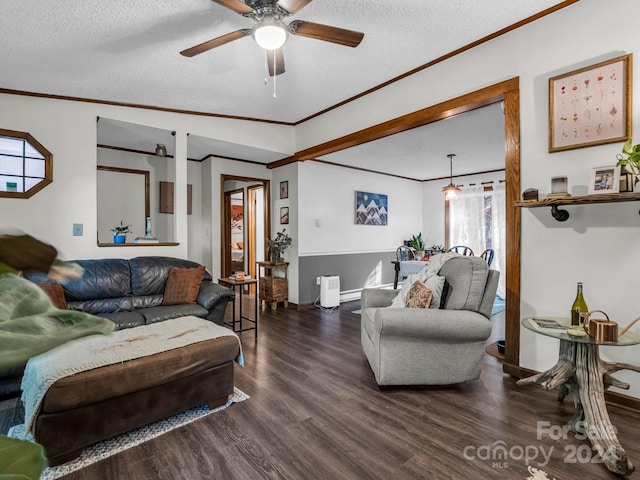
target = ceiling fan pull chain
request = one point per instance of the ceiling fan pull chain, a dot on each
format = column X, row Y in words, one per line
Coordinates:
column 266, row 67
column 275, row 75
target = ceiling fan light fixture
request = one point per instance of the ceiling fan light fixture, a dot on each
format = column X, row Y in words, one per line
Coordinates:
column 451, row 191
column 161, row 150
column 270, row 33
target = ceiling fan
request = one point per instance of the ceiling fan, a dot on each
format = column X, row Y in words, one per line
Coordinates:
column 270, row 32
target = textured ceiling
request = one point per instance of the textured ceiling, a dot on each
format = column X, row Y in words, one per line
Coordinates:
column 124, row 51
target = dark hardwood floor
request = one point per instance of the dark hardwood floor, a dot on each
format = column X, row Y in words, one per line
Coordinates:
column 315, row 412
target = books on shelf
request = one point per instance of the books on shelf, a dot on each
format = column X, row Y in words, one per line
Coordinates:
column 146, row 240
column 547, row 325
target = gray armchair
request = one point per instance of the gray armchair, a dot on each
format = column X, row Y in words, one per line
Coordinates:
column 418, row 346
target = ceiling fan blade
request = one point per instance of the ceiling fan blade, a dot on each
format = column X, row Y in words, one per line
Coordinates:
column 293, row 6
column 279, row 56
column 216, row 42
column 235, row 5
column 326, row 33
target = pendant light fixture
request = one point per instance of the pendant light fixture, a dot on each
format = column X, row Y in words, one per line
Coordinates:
column 451, row 191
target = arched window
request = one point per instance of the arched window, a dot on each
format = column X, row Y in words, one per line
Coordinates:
column 26, row 167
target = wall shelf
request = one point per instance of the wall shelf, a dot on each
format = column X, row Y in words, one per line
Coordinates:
column 562, row 215
column 159, row 244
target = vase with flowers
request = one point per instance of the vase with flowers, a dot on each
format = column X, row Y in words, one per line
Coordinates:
column 278, row 245
column 629, row 159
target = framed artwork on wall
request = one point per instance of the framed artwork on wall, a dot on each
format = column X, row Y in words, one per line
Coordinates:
column 590, row 106
column 284, row 215
column 604, row 180
column 284, row 189
column 371, row 208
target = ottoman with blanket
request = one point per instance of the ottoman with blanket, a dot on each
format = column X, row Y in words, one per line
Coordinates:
column 100, row 386
column 133, row 292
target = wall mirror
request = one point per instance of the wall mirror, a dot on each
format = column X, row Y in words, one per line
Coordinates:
column 133, row 160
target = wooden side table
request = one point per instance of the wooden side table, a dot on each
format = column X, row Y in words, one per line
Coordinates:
column 234, row 284
column 273, row 288
column 581, row 374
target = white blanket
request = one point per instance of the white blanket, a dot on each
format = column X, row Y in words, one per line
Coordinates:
column 96, row 351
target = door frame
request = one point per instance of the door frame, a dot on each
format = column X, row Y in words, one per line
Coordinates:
column 225, row 213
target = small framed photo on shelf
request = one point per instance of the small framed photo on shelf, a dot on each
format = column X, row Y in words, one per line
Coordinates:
column 284, row 215
column 604, row 180
column 591, row 106
column 284, row 189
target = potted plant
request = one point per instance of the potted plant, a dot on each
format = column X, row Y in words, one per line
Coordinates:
column 436, row 248
column 417, row 243
column 278, row 245
column 630, row 159
column 120, row 232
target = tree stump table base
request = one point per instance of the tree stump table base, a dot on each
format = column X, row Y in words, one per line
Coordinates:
column 581, row 374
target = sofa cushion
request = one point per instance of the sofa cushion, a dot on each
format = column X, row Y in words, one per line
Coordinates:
column 125, row 319
column 182, row 285
column 167, row 312
column 105, row 278
column 103, row 305
column 149, row 274
column 56, row 294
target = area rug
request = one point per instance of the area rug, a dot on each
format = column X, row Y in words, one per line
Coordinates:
column 105, row 449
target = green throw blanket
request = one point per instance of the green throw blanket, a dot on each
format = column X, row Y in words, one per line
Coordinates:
column 30, row 324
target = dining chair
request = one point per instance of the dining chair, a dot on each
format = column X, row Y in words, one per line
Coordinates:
column 462, row 250
column 488, row 255
column 404, row 253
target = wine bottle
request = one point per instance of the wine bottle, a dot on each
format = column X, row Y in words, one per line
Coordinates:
column 579, row 306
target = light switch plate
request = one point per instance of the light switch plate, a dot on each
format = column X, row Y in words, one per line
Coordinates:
column 77, row 229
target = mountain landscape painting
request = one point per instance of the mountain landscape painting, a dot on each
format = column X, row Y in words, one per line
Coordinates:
column 371, row 208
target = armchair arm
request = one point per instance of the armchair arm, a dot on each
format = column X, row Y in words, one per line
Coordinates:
column 459, row 325
column 377, row 297
column 212, row 293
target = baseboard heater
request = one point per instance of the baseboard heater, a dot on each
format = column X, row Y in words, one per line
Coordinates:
column 329, row 291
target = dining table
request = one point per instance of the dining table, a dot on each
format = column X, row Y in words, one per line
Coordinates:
column 404, row 268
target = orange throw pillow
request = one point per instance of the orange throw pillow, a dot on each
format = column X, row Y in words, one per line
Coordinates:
column 419, row 296
column 56, row 294
column 183, row 285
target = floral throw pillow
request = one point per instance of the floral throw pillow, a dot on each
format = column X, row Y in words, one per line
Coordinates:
column 419, row 296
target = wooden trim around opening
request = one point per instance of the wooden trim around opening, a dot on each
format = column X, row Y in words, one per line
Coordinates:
column 147, row 184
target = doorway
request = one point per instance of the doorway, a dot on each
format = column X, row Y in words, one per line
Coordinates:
column 245, row 224
column 509, row 92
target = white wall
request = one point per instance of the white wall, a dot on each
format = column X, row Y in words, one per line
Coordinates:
column 68, row 130
column 327, row 194
column 600, row 244
column 289, row 173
